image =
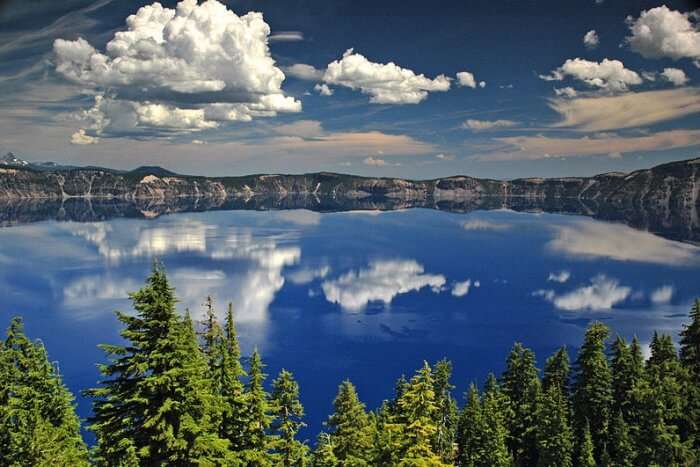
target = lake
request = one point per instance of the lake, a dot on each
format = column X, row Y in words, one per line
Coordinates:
column 360, row 294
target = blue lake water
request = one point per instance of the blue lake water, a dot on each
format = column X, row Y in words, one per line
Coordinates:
column 364, row 295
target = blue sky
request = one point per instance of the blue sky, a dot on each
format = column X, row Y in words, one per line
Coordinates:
column 412, row 89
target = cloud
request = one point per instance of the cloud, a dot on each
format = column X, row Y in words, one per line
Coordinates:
column 466, row 79
column 662, row 294
column 626, row 111
column 445, row 157
column 301, row 128
column 478, row 224
column 89, row 290
column 483, row 125
column 567, row 91
column 307, row 275
column 662, row 32
column 287, row 36
column 675, row 76
column 609, row 75
column 376, row 162
column 561, row 276
column 80, row 138
column 591, row 39
column 183, row 69
column 544, row 147
column 380, row 282
column 592, row 239
column 602, row 294
column 460, row 289
column 304, row 71
column 384, row 83
column 323, row 89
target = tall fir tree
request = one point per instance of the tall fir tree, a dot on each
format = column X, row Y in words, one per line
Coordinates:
column 521, row 384
column 446, row 413
column 586, row 456
column 156, row 404
column 288, row 412
column 557, row 372
column 471, row 449
column 38, row 424
column 235, row 416
column 350, row 430
column 690, row 343
column 620, row 445
column 555, row 444
column 593, row 387
column 258, row 416
column 417, row 407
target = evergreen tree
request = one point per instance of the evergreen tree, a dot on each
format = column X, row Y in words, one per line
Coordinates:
column 481, row 432
column 288, row 451
column 234, row 422
column 620, row 446
column 585, row 456
column 626, row 371
column 350, row 433
column 522, row 385
column 557, row 372
column 156, row 404
column 38, row 424
column 324, row 455
column 258, row 416
column 593, row 386
column 690, row 343
column 417, row 406
column 554, row 437
column 446, row 413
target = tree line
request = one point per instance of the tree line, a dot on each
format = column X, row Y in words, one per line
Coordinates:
column 180, row 393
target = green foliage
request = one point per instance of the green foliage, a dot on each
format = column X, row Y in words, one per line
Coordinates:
column 554, row 438
column 156, row 404
column 593, row 386
column 446, row 411
column 521, row 385
column 288, row 411
column 585, row 457
column 38, row 424
column 557, row 372
column 350, row 430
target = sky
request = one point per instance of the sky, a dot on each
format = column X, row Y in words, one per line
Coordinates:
column 499, row 89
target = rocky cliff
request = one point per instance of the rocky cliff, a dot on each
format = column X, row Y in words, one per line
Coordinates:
column 674, row 185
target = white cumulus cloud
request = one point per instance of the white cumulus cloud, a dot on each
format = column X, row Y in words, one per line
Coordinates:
column 610, row 75
column 460, row 289
column 181, row 69
column 304, row 71
column 467, row 79
column 601, row 294
column 662, row 294
column 385, row 83
column 662, row 32
column 561, row 276
column 675, row 76
column 380, row 282
column 483, row 125
column 323, row 89
column 591, row 39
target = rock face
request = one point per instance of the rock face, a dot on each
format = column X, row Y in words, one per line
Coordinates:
column 671, row 186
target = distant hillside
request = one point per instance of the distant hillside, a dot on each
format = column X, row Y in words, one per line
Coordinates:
column 674, row 185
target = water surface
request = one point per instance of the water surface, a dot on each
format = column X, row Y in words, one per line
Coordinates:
column 365, row 295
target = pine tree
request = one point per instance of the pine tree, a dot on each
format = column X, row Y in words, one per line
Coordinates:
column 521, row 385
column 38, row 424
column 417, row 406
column 495, row 413
column 234, row 419
column 156, row 404
column 350, row 429
column 626, row 371
column 471, row 448
column 690, row 343
column 585, row 456
column 324, row 455
column 593, row 386
column 258, row 416
column 557, row 370
column 288, row 421
column 554, row 437
column 620, row 445
column 446, row 413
